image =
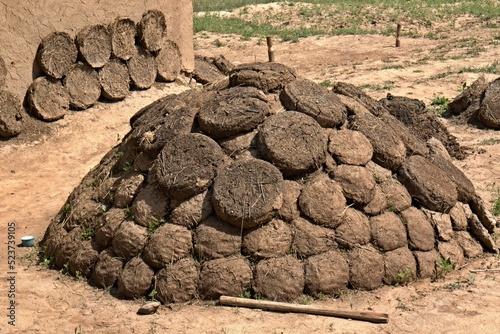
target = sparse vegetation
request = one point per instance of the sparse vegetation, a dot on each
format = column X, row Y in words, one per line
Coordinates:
column 350, row 17
column 493, row 68
column 128, row 212
column 306, row 300
column 387, row 86
column 495, row 207
column 445, row 266
column 326, row 83
column 154, row 225
column 247, row 294
column 439, row 105
column 152, row 294
column 46, row 261
column 405, row 277
column 87, row 232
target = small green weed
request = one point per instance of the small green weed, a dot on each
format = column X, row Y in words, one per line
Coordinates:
column 326, row 83
column 460, row 283
column 496, row 207
column 405, row 277
column 218, row 43
column 247, row 294
column 79, row 276
column 152, row 294
column 46, row 261
column 402, row 306
column 495, row 189
column 128, row 212
column 155, row 224
column 65, row 269
column 118, row 154
column 87, row 232
column 66, row 208
column 445, row 266
column 306, row 300
column 439, row 105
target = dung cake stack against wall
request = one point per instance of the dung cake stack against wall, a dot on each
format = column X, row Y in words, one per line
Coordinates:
column 11, row 114
column 103, row 60
column 272, row 185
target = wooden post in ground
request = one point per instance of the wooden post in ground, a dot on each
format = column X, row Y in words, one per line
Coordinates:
column 270, row 50
column 398, row 32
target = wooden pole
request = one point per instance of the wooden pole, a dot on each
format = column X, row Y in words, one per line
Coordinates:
column 293, row 308
column 398, row 32
column 270, row 50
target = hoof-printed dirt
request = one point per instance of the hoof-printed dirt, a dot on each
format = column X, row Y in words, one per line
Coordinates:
column 37, row 177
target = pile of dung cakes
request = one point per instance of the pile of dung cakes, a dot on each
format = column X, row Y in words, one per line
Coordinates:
column 271, row 186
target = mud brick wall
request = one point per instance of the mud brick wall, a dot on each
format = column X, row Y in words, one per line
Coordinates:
column 25, row 23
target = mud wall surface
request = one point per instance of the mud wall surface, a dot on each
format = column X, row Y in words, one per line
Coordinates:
column 25, row 23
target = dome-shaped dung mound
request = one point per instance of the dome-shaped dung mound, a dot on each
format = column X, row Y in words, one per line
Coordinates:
column 230, row 192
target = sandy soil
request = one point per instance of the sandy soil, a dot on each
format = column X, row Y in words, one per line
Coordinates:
column 36, row 177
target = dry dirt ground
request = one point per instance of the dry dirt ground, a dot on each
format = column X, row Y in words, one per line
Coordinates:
column 36, row 177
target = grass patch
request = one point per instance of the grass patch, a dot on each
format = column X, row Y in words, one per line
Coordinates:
column 387, row 86
column 326, row 83
column 349, row 17
column 232, row 25
column 493, row 68
column 392, row 67
column 495, row 202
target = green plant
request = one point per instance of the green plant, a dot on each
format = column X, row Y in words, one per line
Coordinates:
column 495, row 189
column 326, row 83
column 66, row 208
column 247, row 294
column 127, row 212
column 126, row 167
column 218, row 43
column 445, row 266
column 87, row 232
column 322, row 296
column 306, row 300
column 471, row 279
column 46, row 261
column 439, row 104
column 403, row 307
column 79, row 275
column 405, row 277
column 152, row 294
column 496, row 207
column 65, row 269
column 155, row 224
column 118, row 154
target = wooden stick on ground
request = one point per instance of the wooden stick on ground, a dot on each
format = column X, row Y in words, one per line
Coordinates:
column 293, row 308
